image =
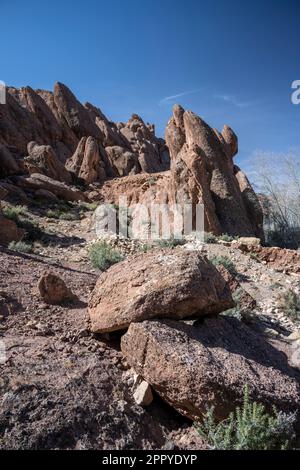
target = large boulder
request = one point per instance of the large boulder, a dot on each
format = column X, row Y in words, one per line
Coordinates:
column 43, row 159
column 194, row 367
column 123, row 162
column 159, row 284
column 38, row 181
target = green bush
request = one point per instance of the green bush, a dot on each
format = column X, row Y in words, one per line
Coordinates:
column 171, row 242
column 13, row 212
column 210, row 238
column 88, row 206
column 22, row 247
column 249, row 428
column 290, row 305
column 62, row 214
column 103, row 256
column 225, row 237
column 224, row 261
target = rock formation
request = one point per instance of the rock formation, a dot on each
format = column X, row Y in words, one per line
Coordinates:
column 203, row 171
column 160, row 284
column 194, row 367
column 74, row 143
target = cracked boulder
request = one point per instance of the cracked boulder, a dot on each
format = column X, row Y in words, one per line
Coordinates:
column 209, row 364
column 160, row 284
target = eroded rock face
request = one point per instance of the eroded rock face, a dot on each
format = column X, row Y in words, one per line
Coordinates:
column 192, row 367
column 201, row 162
column 123, row 162
column 43, row 159
column 280, row 259
column 8, row 165
column 160, row 284
column 74, row 113
column 86, row 163
column 38, row 181
column 59, row 120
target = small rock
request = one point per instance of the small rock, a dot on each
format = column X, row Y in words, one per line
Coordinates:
column 143, row 394
column 53, row 289
column 295, row 336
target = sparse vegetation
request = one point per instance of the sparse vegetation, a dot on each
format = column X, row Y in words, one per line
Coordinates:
column 13, row 212
column 225, row 237
column 224, row 261
column 152, row 181
column 88, row 206
column 22, row 247
column 290, row 305
column 249, row 428
column 102, row 255
column 210, row 238
column 145, row 248
column 171, row 242
column 236, row 310
column 254, row 257
column 63, row 214
column 278, row 179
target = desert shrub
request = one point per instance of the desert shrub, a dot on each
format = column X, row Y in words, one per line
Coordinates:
column 254, row 257
column 13, row 212
column 290, row 305
column 249, row 427
column 224, row 261
column 145, row 248
column 69, row 216
column 225, row 237
column 210, row 238
column 88, row 206
column 171, row 242
column 102, row 255
column 22, row 247
column 152, row 180
column 53, row 213
column 236, row 311
column 63, row 214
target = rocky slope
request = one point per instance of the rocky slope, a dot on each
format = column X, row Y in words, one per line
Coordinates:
column 130, row 357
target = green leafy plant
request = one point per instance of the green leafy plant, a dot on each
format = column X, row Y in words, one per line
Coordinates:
column 249, row 427
column 290, row 305
column 22, row 247
column 102, row 255
column 224, row 261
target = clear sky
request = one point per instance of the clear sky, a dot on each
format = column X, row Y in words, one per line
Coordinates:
column 229, row 61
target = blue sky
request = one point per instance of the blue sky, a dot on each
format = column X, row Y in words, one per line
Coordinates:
column 229, row 61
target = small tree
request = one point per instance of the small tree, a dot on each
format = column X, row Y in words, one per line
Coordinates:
column 278, row 180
